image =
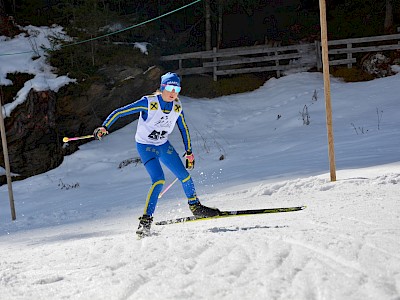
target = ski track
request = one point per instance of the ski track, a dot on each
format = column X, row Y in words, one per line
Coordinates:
column 319, row 253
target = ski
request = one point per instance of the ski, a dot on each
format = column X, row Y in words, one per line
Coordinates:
column 232, row 213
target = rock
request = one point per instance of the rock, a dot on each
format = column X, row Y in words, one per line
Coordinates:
column 377, row 64
column 80, row 114
column 32, row 134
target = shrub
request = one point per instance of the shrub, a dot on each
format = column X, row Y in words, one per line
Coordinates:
column 206, row 87
column 351, row 75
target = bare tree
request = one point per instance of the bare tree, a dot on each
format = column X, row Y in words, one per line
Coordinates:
column 220, row 20
column 208, row 24
column 2, row 8
column 388, row 25
column 219, row 23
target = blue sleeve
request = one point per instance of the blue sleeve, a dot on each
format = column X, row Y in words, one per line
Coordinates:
column 135, row 107
column 183, row 128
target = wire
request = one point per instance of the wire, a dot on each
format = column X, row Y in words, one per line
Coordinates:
column 111, row 33
column 133, row 26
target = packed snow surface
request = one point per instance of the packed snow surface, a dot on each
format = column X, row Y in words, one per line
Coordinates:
column 74, row 237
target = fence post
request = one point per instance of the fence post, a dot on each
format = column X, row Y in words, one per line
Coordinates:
column 318, row 55
column 349, row 56
column 180, row 64
column 278, row 72
column 215, row 68
column 398, row 30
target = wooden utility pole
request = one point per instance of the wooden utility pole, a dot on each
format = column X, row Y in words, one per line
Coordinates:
column 327, row 88
column 6, row 160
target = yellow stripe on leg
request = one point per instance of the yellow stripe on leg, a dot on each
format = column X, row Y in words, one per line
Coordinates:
column 150, row 193
column 186, row 179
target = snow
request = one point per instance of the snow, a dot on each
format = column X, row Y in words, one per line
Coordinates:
column 25, row 54
column 74, row 237
column 142, row 46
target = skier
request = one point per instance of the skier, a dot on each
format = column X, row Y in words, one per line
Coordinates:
column 158, row 114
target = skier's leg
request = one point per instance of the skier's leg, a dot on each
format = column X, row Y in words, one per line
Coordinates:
column 172, row 161
column 150, row 159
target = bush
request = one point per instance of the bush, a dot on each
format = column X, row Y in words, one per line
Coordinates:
column 81, row 62
column 351, row 75
column 206, row 87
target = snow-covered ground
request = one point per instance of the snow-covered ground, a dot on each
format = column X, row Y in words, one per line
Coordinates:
column 74, row 237
column 25, row 54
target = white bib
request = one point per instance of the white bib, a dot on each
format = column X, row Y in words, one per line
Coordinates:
column 158, row 125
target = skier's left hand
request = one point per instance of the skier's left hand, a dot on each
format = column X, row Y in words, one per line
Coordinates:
column 189, row 160
column 99, row 132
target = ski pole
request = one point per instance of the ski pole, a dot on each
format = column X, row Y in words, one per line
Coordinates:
column 167, row 188
column 67, row 139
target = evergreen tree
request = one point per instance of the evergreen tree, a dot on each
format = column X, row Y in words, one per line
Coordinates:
column 2, row 8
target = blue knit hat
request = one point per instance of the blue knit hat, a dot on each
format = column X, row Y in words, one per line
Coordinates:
column 169, row 79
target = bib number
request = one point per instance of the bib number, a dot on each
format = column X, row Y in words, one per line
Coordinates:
column 156, row 135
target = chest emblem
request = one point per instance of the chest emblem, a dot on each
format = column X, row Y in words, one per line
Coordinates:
column 177, row 108
column 153, row 105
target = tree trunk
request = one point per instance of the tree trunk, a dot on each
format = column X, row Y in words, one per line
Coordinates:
column 208, row 24
column 220, row 14
column 388, row 25
column 2, row 8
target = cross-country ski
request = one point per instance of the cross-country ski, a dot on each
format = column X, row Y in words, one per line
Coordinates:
column 232, row 213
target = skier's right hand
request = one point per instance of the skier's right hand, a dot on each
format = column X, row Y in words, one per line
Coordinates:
column 99, row 132
column 189, row 157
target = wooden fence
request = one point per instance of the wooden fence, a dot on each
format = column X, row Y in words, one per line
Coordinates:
column 263, row 58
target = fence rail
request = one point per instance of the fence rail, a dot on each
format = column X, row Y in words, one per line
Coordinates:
column 262, row 58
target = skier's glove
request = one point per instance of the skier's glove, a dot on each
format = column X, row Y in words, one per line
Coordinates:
column 189, row 160
column 99, row 132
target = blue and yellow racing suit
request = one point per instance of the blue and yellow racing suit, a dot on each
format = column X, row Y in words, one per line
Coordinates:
column 156, row 121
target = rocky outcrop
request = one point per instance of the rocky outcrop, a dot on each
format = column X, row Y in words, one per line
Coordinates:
column 36, row 127
column 32, row 134
column 377, row 64
column 78, row 113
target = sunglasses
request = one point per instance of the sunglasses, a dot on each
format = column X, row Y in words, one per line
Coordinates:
column 170, row 88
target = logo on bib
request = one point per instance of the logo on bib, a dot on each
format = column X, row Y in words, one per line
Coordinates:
column 163, row 122
column 153, row 105
column 177, row 107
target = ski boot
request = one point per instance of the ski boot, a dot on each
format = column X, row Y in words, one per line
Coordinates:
column 201, row 211
column 144, row 226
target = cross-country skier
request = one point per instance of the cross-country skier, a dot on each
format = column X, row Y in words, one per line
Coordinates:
column 158, row 114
